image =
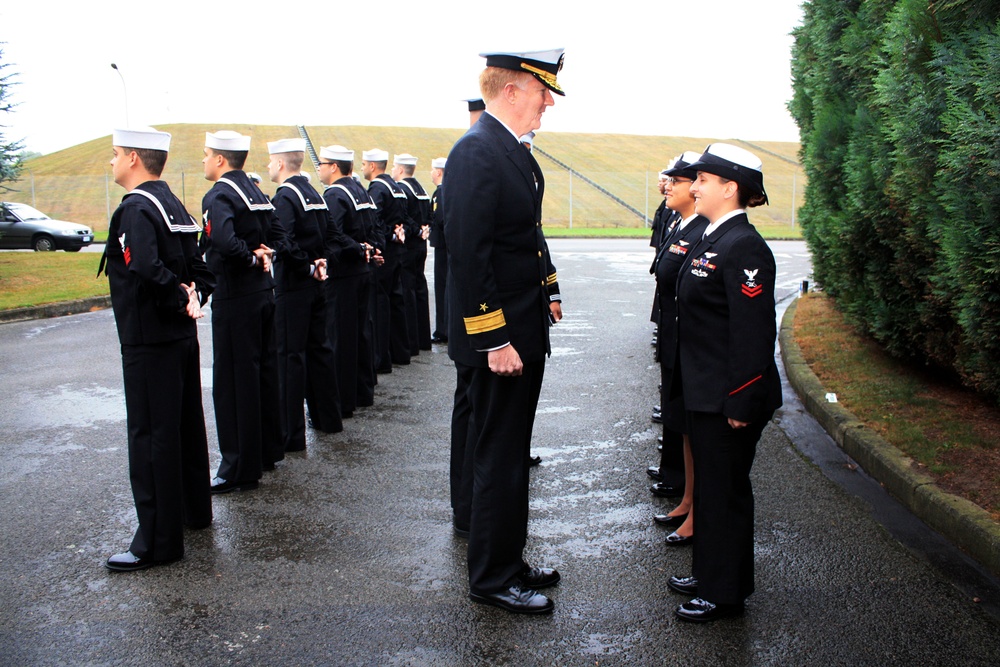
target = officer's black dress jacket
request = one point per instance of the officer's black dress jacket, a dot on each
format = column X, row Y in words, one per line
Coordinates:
column 499, row 259
column 726, row 325
column 237, row 218
column 668, row 264
column 303, row 216
column 151, row 253
column 351, row 214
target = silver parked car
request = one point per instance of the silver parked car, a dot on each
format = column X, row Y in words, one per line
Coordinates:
column 22, row 226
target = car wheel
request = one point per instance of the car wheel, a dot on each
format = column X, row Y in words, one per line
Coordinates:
column 43, row 243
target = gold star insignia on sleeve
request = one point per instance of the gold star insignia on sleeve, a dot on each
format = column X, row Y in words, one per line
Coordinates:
column 482, row 307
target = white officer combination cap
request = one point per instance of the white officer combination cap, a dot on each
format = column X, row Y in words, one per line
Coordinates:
column 543, row 65
column 141, row 137
column 254, row 176
column 297, row 145
column 404, row 159
column 375, row 155
column 438, row 162
column 337, row 153
column 227, row 140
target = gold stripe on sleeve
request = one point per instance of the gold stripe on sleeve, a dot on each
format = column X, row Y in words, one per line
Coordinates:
column 551, row 280
column 483, row 323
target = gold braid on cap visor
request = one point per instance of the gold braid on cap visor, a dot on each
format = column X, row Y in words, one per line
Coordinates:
column 547, row 78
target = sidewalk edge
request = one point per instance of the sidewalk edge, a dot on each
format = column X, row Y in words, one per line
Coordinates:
column 964, row 523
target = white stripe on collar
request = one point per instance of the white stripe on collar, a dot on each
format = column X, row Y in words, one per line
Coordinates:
column 410, row 187
column 190, row 227
column 321, row 206
column 357, row 205
column 266, row 206
column 397, row 194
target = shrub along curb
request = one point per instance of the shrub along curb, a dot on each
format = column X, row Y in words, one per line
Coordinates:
column 963, row 522
column 56, row 309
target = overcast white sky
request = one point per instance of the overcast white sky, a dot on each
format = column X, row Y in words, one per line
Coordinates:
column 712, row 68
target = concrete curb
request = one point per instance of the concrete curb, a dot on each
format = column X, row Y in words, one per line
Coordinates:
column 56, row 309
column 966, row 524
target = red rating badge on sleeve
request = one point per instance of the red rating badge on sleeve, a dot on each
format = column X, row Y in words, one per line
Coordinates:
column 750, row 287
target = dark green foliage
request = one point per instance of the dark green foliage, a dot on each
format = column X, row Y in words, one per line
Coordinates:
column 898, row 103
column 10, row 151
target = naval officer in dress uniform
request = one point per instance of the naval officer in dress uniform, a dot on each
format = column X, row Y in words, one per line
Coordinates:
column 158, row 283
column 725, row 371
column 501, row 302
column 350, row 285
column 305, row 358
column 239, row 237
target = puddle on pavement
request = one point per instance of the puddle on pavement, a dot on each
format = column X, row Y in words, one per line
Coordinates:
column 66, row 406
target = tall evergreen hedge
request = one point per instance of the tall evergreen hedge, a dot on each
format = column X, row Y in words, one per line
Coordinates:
column 898, row 104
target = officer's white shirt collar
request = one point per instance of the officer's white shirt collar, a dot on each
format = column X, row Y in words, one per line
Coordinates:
column 718, row 223
column 512, row 133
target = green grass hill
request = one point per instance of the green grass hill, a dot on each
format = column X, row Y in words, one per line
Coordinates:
column 76, row 184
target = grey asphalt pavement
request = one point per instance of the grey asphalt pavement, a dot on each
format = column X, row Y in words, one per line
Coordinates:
column 345, row 555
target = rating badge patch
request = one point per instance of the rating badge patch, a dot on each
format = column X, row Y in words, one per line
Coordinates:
column 750, row 287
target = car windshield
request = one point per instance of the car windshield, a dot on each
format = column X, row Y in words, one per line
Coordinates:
column 25, row 212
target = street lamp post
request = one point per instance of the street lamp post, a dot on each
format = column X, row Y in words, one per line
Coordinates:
column 124, row 88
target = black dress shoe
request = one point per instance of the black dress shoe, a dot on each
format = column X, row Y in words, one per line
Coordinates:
column 439, row 339
column 659, row 448
column 667, row 520
column 683, row 585
column 460, row 532
column 674, row 539
column 666, row 491
column 534, row 460
column 659, row 441
column 657, row 417
column 539, row 577
column 220, row 485
column 654, row 472
column 516, row 598
column 702, row 611
column 126, row 562
column 656, row 408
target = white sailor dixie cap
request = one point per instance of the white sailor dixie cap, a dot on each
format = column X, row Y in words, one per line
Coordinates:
column 543, row 65
column 375, row 155
column 286, row 146
column 732, row 162
column 141, row 137
column 404, row 159
column 227, row 140
column 438, row 162
column 336, row 153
